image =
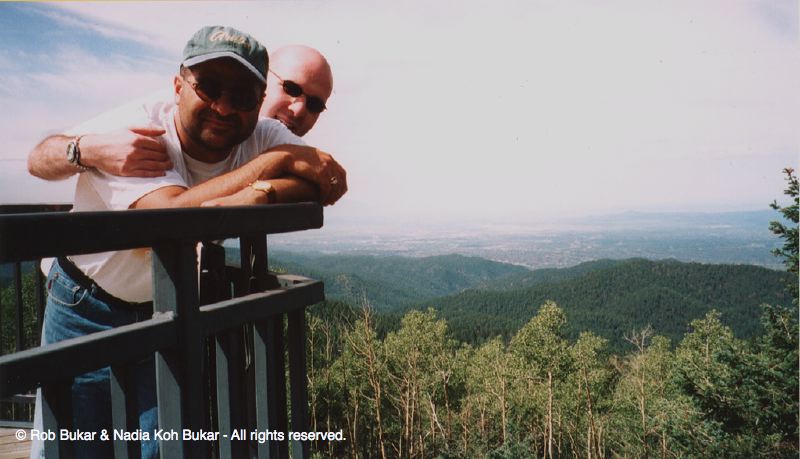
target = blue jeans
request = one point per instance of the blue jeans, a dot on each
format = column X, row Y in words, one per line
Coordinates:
column 74, row 311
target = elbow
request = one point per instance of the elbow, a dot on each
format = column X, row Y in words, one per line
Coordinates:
column 31, row 168
column 34, row 169
column 168, row 197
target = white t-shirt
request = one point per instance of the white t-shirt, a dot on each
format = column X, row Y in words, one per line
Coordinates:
column 127, row 274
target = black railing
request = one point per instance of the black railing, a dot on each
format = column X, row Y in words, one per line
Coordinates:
column 181, row 328
column 12, row 273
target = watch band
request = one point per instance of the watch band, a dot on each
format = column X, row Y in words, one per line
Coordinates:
column 74, row 154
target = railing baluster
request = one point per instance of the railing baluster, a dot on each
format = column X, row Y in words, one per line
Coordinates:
column 241, row 285
column 297, row 379
column 124, row 409
column 18, row 299
column 2, row 348
column 179, row 376
column 57, row 414
column 230, row 372
column 276, row 379
column 263, row 387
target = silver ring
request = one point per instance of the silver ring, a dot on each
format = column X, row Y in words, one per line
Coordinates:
column 334, row 180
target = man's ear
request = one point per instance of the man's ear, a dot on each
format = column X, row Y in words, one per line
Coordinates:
column 178, row 83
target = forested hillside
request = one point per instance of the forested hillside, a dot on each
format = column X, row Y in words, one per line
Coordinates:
column 481, row 299
column 391, row 282
column 627, row 295
column 545, row 275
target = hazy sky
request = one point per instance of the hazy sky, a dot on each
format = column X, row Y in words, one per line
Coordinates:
column 462, row 109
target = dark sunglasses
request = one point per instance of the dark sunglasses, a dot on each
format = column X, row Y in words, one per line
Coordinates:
column 240, row 98
column 314, row 103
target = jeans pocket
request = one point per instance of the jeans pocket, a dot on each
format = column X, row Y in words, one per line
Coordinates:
column 64, row 292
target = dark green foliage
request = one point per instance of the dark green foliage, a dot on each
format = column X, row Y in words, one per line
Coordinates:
column 546, row 275
column 625, row 296
column 417, row 394
column 789, row 233
column 391, row 282
column 8, row 313
column 512, row 450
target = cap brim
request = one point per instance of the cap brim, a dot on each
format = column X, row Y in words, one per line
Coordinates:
column 210, row 56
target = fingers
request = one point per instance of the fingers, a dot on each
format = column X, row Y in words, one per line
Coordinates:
column 145, row 168
column 144, row 142
column 336, row 179
column 149, row 157
column 324, row 190
column 143, row 173
column 338, row 182
column 148, row 131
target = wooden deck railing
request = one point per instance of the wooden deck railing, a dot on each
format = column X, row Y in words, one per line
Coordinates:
column 178, row 333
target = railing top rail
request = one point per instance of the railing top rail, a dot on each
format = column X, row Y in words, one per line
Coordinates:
column 30, row 208
column 53, row 234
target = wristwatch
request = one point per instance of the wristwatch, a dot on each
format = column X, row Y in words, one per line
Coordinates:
column 74, row 154
column 266, row 187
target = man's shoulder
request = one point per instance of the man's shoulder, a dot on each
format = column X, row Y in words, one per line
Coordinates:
column 152, row 109
column 271, row 124
column 269, row 133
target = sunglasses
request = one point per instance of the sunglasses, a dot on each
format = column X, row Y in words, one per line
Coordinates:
column 313, row 103
column 241, row 98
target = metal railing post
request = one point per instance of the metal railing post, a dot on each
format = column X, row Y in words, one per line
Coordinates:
column 179, row 381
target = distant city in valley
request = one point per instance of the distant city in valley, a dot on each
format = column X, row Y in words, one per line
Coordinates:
column 730, row 237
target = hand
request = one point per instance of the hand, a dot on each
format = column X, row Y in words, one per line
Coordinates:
column 132, row 152
column 318, row 167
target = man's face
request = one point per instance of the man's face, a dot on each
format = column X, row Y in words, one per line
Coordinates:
column 218, row 103
column 294, row 111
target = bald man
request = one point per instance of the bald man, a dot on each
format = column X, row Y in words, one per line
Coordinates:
column 299, row 84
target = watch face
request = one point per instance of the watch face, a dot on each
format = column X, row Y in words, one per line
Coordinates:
column 71, row 152
column 262, row 186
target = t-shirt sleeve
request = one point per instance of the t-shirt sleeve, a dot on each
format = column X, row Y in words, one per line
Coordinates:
column 131, row 114
column 118, row 193
column 270, row 133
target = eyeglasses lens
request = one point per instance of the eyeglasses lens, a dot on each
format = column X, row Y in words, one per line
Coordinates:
column 241, row 99
column 314, row 104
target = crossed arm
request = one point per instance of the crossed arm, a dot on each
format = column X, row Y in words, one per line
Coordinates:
column 298, row 173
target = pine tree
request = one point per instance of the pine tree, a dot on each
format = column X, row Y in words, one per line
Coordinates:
column 789, row 251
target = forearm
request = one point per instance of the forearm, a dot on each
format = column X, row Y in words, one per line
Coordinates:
column 268, row 164
column 133, row 152
column 285, row 190
column 294, row 189
column 48, row 160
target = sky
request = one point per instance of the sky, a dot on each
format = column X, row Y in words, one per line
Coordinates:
column 460, row 110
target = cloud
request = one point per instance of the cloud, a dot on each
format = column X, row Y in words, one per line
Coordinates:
column 117, row 31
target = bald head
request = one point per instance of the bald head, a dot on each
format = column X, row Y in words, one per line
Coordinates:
column 307, row 68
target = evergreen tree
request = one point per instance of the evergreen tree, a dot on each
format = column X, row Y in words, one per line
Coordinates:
column 789, row 233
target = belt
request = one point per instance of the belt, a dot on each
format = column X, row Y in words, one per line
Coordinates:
column 86, row 282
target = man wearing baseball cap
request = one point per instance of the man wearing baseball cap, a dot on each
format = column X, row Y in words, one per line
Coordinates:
column 221, row 154
column 299, row 83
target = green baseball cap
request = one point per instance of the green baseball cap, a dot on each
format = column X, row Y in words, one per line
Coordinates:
column 214, row 42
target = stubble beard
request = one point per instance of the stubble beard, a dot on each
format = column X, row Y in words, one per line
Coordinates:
column 218, row 139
